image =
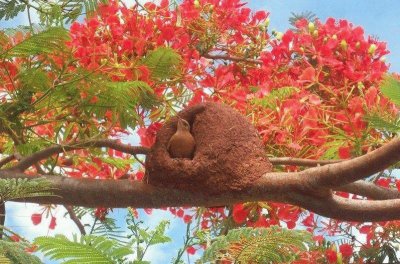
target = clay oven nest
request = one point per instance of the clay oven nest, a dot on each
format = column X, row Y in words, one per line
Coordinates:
column 228, row 156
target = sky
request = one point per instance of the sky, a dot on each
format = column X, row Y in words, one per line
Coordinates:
column 378, row 18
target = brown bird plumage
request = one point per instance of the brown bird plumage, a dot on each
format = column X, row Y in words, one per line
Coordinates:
column 181, row 144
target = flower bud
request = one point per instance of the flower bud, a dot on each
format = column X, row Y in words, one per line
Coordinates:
column 266, row 22
column 343, row 44
column 334, row 37
column 315, row 33
column 311, row 27
column 279, row 35
column 196, row 3
column 372, row 49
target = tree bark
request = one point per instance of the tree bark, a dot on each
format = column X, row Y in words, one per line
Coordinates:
column 310, row 188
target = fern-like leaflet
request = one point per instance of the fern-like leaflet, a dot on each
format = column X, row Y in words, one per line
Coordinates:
column 258, row 245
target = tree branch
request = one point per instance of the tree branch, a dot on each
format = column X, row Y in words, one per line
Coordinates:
column 348, row 209
column 370, row 190
column 28, row 161
column 308, row 188
column 272, row 187
column 339, row 174
column 230, row 58
column 122, row 193
column 301, row 162
column 75, row 219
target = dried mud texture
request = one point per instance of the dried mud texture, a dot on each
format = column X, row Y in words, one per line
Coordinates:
column 229, row 155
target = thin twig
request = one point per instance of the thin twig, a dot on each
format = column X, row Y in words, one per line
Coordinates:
column 28, row 161
column 301, row 162
column 138, row 160
column 6, row 160
column 230, row 58
column 75, row 219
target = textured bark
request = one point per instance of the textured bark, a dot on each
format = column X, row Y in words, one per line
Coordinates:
column 248, row 180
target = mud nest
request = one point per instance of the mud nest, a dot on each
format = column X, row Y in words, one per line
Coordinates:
column 229, row 155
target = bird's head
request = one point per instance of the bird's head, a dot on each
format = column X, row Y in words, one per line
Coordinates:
column 183, row 125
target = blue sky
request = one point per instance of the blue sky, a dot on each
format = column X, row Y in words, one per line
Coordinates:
column 378, row 18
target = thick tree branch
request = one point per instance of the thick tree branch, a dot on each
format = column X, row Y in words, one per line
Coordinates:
column 301, row 162
column 28, row 161
column 370, row 190
column 339, row 174
column 272, row 187
column 123, row 193
column 307, row 188
column 348, row 209
column 75, row 219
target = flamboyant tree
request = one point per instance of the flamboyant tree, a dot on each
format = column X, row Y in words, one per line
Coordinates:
column 318, row 94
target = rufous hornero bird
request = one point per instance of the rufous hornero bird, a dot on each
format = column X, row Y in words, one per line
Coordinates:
column 181, row 144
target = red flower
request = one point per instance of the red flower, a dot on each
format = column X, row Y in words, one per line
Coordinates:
column 239, row 213
column 36, row 218
column 309, row 220
column 15, row 238
column 384, row 182
column 187, row 219
column 139, row 175
column 180, row 213
column 344, row 152
column 191, row 250
column 148, row 135
column 53, row 223
column 346, row 250
column 308, row 75
column 331, row 256
column 148, row 210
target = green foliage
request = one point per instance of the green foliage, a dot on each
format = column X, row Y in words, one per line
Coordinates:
column 109, row 229
column 308, row 15
column 88, row 249
column 258, row 245
column 270, row 100
column 47, row 41
column 163, row 63
column 12, row 252
column 142, row 238
column 22, row 188
column 384, row 254
column 10, row 9
column 384, row 121
column 122, row 98
column 384, row 124
column 66, row 11
column 50, row 12
column 390, row 87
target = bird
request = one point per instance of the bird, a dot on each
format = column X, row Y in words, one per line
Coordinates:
column 182, row 143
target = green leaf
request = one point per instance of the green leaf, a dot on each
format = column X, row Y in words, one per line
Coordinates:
column 158, row 234
column 270, row 100
column 12, row 252
column 89, row 249
column 34, row 79
column 122, row 98
column 46, row 41
column 390, row 87
column 378, row 122
column 164, row 63
column 11, row 189
column 259, row 245
column 10, row 9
